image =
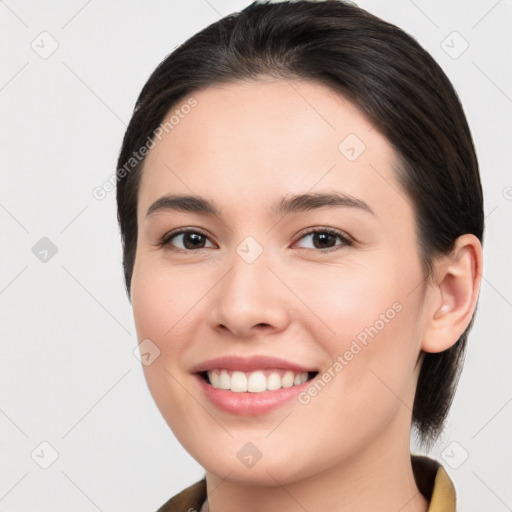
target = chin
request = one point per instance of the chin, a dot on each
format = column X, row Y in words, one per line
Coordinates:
column 261, row 474
column 269, row 467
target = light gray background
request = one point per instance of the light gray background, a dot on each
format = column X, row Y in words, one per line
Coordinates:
column 68, row 376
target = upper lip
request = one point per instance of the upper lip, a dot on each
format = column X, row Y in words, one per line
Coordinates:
column 248, row 364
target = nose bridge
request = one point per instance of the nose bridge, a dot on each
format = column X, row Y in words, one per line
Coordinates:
column 249, row 295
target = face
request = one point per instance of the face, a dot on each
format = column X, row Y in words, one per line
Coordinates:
column 265, row 288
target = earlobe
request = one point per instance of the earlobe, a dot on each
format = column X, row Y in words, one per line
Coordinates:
column 454, row 294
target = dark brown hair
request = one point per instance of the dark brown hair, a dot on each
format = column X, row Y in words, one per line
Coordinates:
column 383, row 71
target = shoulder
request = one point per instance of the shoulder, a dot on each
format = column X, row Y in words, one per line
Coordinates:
column 434, row 483
column 189, row 500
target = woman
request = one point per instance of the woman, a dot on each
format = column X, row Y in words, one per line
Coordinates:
column 301, row 214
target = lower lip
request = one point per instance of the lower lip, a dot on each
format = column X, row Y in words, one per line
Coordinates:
column 250, row 404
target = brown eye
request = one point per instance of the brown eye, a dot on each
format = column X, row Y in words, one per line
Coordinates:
column 187, row 240
column 325, row 239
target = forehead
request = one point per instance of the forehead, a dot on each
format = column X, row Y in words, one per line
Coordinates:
column 255, row 139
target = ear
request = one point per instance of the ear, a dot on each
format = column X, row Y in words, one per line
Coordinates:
column 453, row 294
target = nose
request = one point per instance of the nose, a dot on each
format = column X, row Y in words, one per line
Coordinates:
column 249, row 300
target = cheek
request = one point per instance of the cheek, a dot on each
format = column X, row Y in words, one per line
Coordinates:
column 354, row 301
column 367, row 320
column 166, row 303
column 162, row 307
column 162, row 301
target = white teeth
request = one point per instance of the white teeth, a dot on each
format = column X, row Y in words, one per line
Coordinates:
column 273, row 381
column 255, row 382
column 287, row 380
column 238, row 382
column 224, row 380
column 214, row 379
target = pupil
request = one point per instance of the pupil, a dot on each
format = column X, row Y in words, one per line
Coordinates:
column 323, row 238
column 192, row 240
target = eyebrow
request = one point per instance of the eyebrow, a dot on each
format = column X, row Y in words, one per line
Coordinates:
column 293, row 204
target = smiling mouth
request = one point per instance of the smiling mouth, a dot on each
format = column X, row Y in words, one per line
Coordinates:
column 257, row 381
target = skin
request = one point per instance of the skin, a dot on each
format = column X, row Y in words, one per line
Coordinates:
column 245, row 146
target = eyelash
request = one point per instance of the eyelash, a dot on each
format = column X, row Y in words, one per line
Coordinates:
column 345, row 239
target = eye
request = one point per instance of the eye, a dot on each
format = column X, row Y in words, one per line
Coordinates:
column 325, row 238
column 186, row 240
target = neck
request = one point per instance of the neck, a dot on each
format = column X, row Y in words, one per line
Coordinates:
column 378, row 478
